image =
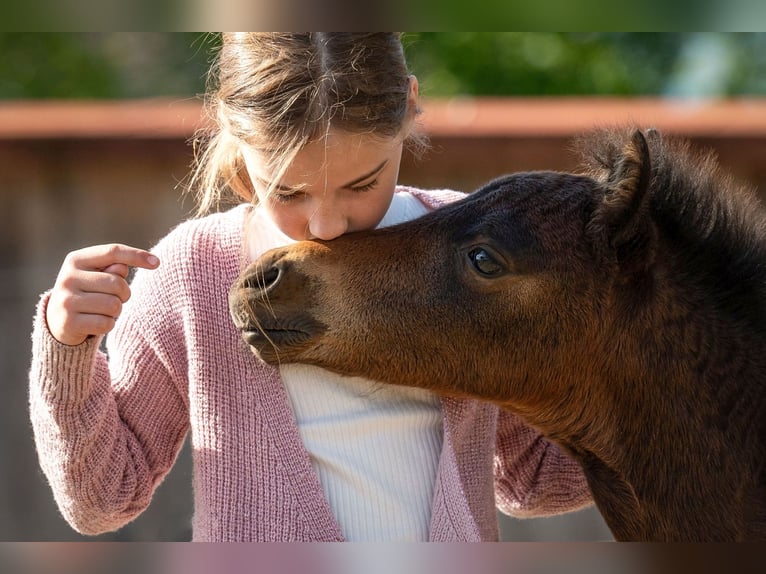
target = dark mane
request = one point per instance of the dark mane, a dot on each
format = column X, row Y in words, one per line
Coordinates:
column 717, row 224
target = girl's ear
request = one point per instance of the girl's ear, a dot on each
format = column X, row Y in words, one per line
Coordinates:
column 413, row 106
column 412, row 98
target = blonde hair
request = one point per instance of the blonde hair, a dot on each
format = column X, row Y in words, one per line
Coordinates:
column 278, row 92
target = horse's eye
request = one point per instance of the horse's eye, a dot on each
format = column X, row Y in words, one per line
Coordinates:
column 484, row 263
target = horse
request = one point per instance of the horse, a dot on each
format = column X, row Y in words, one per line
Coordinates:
column 619, row 310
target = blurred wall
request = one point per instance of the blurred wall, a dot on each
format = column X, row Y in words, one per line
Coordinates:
column 56, row 196
column 77, row 174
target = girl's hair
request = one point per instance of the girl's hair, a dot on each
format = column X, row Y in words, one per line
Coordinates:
column 277, row 92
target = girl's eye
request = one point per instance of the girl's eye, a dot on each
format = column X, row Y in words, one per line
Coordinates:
column 285, row 197
column 366, row 186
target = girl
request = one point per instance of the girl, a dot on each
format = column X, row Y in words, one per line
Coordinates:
column 310, row 132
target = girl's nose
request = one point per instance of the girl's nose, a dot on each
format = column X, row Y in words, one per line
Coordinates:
column 327, row 222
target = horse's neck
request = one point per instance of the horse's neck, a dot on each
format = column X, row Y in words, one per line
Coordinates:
column 673, row 488
column 631, row 516
column 616, row 500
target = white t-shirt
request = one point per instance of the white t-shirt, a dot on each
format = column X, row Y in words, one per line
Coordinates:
column 375, row 447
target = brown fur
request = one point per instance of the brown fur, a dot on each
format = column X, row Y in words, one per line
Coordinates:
column 621, row 312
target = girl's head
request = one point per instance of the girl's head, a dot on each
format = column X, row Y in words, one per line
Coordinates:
column 301, row 115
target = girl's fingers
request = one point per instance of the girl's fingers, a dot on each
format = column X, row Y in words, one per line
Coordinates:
column 103, row 269
column 100, row 257
column 94, row 304
column 118, row 269
column 90, row 290
column 72, row 317
column 88, row 324
column 93, row 282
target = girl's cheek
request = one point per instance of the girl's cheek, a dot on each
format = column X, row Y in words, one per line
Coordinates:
column 291, row 225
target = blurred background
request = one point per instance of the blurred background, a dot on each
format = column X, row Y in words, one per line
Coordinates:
column 94, row 148
column 141, row 65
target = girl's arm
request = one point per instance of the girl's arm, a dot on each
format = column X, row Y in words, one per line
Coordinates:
column 107, row 432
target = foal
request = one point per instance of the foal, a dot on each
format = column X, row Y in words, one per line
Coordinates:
column 621, row 312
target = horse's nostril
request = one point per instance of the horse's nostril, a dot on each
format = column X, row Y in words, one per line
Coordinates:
column 261, row 278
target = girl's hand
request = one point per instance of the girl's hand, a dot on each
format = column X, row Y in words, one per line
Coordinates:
column 90, row 290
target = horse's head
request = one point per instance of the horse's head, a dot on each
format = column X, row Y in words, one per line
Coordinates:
column 510, row 275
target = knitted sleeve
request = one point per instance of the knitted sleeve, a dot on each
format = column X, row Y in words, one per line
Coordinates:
column 108, row 431
column 533, row 476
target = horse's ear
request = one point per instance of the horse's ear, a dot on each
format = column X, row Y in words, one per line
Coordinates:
column 623, row 219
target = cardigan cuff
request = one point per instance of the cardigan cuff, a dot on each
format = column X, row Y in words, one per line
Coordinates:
column 62, row 373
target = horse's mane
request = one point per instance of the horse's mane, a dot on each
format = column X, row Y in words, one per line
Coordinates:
column 719, row 223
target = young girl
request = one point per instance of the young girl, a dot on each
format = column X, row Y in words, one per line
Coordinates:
column 310, row 132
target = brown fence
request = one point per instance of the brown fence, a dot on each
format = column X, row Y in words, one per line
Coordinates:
column 79, row 173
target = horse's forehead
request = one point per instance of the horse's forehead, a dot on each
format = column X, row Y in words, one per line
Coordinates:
column 549, row 206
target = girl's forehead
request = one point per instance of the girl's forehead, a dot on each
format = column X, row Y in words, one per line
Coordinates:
column 345, row 146
column 337, row 151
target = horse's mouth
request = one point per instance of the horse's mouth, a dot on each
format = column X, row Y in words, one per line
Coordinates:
column 260, row 337
column 278, row 341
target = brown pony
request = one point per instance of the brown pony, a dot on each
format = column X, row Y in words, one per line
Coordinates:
column 622, row 313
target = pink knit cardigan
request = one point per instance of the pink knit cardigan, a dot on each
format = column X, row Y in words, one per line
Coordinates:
column 108, row 431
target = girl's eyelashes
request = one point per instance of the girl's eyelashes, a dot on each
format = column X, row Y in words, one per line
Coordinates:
column 365, row 187
column 288, row 196
column 285, row 197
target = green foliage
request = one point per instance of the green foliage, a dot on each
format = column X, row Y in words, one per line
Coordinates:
column 103, row 65
column 549, row 63
column 144, row 64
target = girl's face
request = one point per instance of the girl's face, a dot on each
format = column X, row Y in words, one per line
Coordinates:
column 341, row 183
